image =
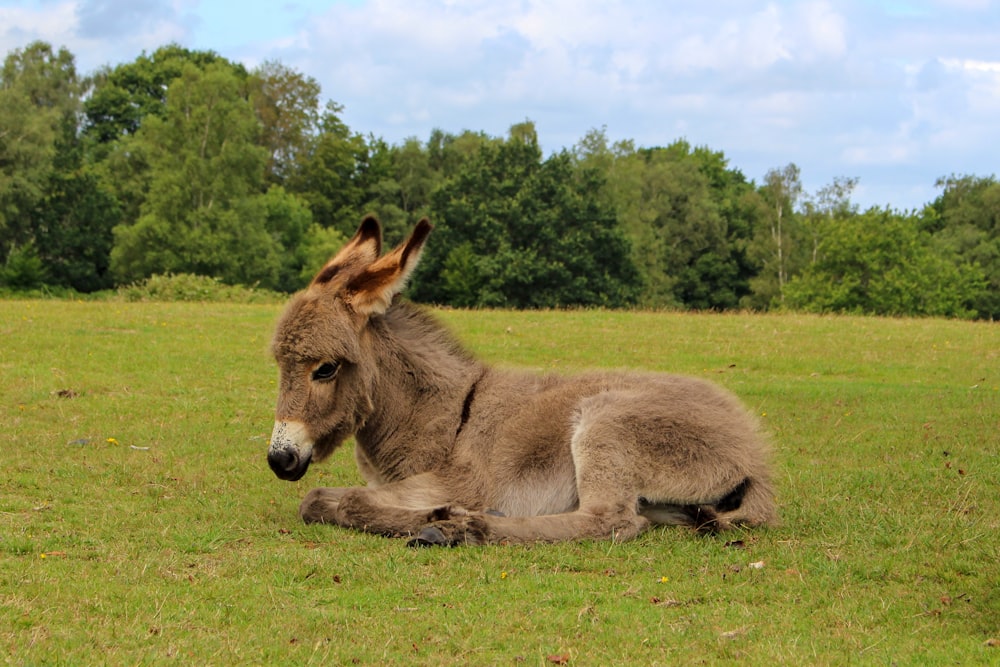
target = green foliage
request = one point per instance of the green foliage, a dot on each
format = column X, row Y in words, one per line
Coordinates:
column 122, row 100
column 881, row 263
column 777, row 237
column 327, row 174
column 516, row 231
column 402, row 180
column 188, row 287
column 965, row 220
column 125, row 95
column 51, row 201
column 23, row 268
column 287, row 106
column 39, row 94
column 184, row 162
column 684, row 214
column 201, row 214
column 318, row 246
column 288, row 221
column 74, row 221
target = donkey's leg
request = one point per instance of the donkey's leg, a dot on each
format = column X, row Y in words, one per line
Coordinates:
column 608, row 509
column 398, row 508
column 639, row 460
column 320, row 504
column 618, row 524
column 608, row 479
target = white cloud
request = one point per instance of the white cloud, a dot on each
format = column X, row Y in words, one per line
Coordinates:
column 972, row 66
column 96, row 32
column 822, row 32
column 54, row 23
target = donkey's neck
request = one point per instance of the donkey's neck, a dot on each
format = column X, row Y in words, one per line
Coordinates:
column 424, row 379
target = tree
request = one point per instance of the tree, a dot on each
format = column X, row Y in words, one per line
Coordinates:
column 449, row 154
column 55, row 215
column 203, row 213
column 965, row 222
column 822, row 209
column 289, row 223
column 516, row 231
column 328, row 176
column 287, row 105
column 39, row 94
column 881, row 263
column 74, row 220
column 681, row 210
column 401, row 179
column 403, row 193
column 773, row 241
column 125, row 95
column 122, row 100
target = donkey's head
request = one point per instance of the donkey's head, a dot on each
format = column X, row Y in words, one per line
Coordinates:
column 324, row 356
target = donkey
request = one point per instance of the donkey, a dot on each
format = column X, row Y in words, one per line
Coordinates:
column 457, row 452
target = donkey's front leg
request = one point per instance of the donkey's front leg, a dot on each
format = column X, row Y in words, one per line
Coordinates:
column 320, row 505
column 399, row 508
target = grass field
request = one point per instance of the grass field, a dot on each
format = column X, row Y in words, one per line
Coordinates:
column 140, row 524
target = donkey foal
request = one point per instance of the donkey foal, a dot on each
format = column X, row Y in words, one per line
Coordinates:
column 456, row 452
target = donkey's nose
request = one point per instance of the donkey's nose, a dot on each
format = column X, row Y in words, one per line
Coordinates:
column 287, row 464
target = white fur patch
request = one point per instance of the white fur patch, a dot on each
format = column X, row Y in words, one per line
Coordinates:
column 291, row 435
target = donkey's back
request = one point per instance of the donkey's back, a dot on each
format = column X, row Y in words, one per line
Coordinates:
column 457, row 452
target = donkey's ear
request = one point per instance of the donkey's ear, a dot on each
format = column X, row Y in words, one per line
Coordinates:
column 360, row 252
column 372, row 291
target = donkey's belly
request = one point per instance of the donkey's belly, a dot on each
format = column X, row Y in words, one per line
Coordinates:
column 539, row 494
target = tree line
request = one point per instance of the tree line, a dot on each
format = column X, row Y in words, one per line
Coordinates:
column 182, row 162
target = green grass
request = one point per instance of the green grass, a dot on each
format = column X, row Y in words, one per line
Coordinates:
column 139, row 523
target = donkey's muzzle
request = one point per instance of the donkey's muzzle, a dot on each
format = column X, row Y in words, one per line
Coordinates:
column 290, row 450
column 287, row 464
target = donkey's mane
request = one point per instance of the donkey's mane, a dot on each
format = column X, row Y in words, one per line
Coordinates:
column 414, row 325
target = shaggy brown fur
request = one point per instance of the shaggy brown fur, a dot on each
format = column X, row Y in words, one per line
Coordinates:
column 457, row 452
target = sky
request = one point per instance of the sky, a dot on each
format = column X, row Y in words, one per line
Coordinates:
column 895, row 93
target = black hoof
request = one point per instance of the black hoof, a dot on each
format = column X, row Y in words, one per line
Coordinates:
column 429, row 536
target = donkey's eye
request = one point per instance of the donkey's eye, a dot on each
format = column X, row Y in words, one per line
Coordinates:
column 325, row 371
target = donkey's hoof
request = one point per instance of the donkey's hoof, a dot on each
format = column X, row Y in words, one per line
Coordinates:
column 429, row 536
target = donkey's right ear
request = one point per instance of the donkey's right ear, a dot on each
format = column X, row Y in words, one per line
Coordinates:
column 359, row 253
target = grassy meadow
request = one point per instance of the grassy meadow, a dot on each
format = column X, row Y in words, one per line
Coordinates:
column 140, row 524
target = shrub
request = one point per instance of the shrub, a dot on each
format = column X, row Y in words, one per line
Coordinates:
column 190, row 287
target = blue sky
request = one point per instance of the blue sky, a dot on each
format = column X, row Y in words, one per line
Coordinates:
column 895, row 93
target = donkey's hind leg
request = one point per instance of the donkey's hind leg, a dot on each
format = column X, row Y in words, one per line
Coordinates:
column 640, row 460
column 607, row 475
column 604, row 521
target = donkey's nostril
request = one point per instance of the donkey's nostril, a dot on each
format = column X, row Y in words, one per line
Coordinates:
column 286, row 464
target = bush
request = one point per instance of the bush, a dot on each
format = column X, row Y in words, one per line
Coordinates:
column 23, row 269
column 189, row 287
column 880, row 263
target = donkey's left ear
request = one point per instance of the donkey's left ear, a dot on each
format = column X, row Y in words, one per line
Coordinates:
column 372, row 291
